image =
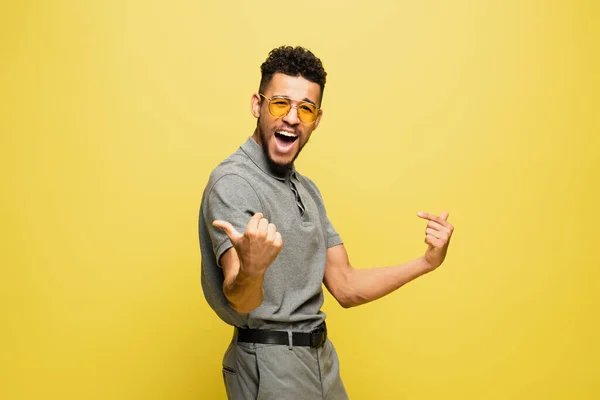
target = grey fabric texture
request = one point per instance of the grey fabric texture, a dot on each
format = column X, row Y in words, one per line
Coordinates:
column 274, row 372
column 241, row 186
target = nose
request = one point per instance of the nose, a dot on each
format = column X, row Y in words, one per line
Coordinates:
column 291, row 117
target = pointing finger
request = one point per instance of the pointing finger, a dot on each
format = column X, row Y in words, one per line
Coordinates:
column 424, row 215
column 231, row 232
column 433, row 217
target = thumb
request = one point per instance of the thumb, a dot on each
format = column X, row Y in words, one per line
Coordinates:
column 444, row 215
column 228, row 229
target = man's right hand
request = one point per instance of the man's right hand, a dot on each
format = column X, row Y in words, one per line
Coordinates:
column 257, row 247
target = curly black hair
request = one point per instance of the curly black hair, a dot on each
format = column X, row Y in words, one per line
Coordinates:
column 293, row 61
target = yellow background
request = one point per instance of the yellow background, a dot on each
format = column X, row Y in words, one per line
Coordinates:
column 113, row 114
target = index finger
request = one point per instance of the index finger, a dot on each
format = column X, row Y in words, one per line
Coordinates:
column 432, row 217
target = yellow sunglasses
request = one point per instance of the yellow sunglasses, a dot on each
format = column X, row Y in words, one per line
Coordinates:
column 281, row 106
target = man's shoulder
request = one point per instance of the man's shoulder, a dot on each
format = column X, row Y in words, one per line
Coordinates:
column 236, row 171
column 238, row 163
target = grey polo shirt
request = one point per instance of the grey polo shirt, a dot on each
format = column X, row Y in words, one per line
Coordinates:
column 241, row 186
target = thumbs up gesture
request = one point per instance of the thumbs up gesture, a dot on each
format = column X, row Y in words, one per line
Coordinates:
column 258, row 247
column 437, row 236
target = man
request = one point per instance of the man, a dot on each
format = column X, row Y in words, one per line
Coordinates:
column 267, row 247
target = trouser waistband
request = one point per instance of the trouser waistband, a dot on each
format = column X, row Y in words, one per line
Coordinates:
column 315, row 338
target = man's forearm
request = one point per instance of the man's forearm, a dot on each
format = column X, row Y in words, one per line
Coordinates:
column 243, row 292
column 365, row 285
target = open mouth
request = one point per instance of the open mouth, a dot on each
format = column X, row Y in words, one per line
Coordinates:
column 285, row 139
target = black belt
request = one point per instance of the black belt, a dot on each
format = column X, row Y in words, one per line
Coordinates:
column 316, row 338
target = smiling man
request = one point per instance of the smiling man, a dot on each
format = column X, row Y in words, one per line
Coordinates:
column 285, row 134
column 268, row 247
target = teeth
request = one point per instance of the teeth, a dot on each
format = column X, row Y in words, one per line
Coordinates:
column 288, row 134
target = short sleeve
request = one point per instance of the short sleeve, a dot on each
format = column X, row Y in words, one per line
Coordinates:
column 332, row 237
column 231, row 199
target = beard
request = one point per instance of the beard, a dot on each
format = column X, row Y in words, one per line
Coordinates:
column 280, row 169
column 275, row 166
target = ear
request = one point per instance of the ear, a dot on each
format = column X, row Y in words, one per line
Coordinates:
column 255, row 105
column 318, row 119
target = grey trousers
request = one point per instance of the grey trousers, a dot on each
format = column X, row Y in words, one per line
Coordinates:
column 278, row 372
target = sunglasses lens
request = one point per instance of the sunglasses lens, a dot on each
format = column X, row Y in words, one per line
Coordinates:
column 279, row 107
column 307, row 112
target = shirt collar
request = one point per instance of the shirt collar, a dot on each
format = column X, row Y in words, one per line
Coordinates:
column 258, row 157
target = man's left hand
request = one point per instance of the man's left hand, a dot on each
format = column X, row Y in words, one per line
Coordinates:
column 437, row 236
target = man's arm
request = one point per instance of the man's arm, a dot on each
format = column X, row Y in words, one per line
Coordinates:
column 244, row 293
column 244, row 264
column 352, row 287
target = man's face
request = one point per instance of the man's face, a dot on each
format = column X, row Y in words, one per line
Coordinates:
column 282, row 138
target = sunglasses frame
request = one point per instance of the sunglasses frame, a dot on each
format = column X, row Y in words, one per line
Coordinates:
column 291, row 106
